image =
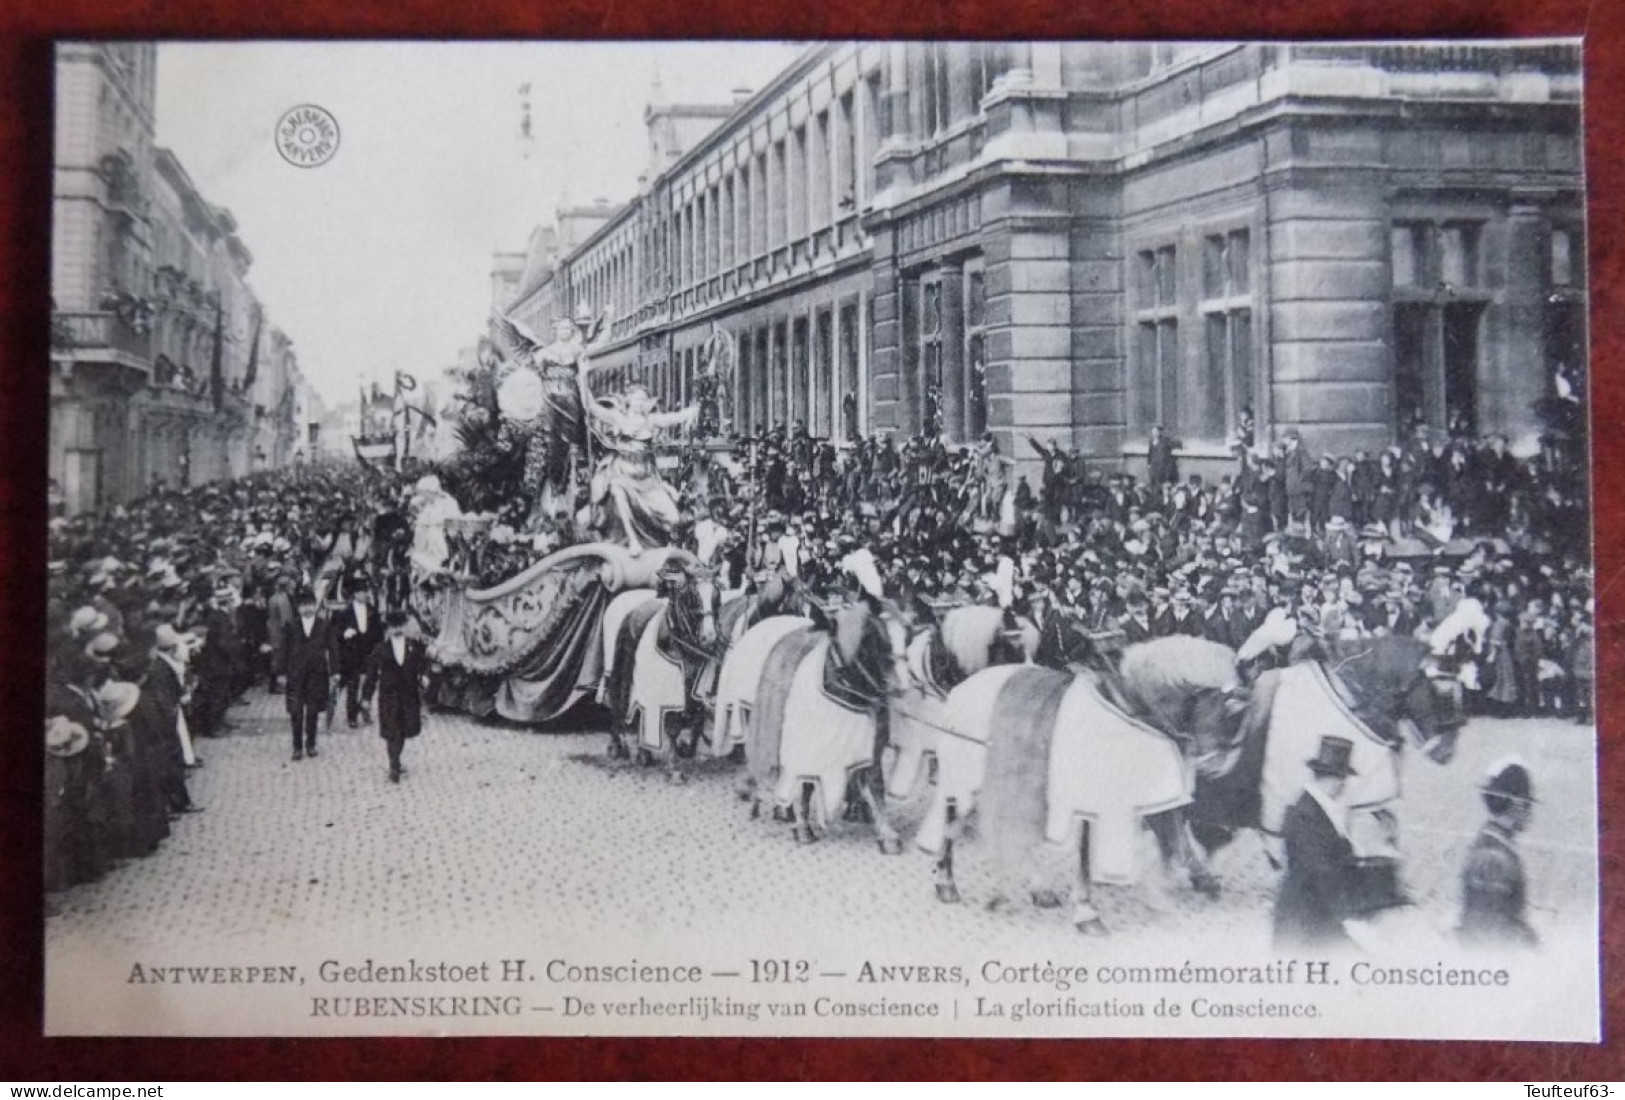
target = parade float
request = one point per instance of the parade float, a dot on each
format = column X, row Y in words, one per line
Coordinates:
column 554, row 504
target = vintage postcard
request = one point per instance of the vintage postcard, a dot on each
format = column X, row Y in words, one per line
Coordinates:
column 851, row 538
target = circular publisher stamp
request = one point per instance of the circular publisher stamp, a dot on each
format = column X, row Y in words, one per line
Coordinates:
column 307, row 136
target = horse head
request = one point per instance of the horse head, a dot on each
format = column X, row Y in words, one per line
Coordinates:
column 695, row 598
column 1399, row 682
column 1190, row 689
column 703, row 598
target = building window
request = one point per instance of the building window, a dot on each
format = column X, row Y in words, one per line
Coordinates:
column 781, row 373
column 799, row 379
column 989, row 61
column 869, row 142
column 762, row 387
column 1226, row 385
column 744, row 422
column 975, row 353
column 819, row 173
column 1438, row 311
column 846, row 159
column 1565, row 323
column 929, row 357
column 798, row 184
column 730, row 224
column 778, row 224
column 685, row 238
column 719, row 219
column 1408, row 244
column 936, row 103
column 1156, row 343
column 848, row 412
column 823, row 380
column 1458, row 254
column 758, row 207
column 1567, row 268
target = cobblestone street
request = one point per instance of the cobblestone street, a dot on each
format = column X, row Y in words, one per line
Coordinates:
column 505, row 843
column 496, row 827
column 499, row 828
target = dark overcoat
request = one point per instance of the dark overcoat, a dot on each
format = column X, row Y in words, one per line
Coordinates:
column 1316, row 891
column 309, row 662
column 399, row 687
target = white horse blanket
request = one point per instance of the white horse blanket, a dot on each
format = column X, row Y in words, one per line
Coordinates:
column 1057, row 755
column 1308, row 705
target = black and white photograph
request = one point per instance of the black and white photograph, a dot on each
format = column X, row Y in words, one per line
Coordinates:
column 840, row 538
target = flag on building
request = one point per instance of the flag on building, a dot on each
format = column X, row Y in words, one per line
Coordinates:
column 217, row 364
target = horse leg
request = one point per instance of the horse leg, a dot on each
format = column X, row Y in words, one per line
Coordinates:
column 617, row 745
column 886, row 835
column 1179, row 850
column 947, row 888
column 745, row 786
column 1085, row 917
column 671, row 738
column 801, row 812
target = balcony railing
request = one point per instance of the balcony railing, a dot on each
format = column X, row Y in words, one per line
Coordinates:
column 101, row 331
column 1435, row 57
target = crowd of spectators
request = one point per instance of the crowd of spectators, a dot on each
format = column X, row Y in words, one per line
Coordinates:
column 164, row 612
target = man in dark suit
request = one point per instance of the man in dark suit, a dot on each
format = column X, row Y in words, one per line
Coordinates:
column 1316, row 895
column 1161, row 465
column 279, row 616
column 359, row 631
column 310, row 663
column 1181, row 617
column 163, row 689
column 398, row 669
column 1297, row 469
column 1136, row 621
column 1226, row 624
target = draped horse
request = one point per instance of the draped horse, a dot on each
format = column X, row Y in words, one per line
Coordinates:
column 1382, row 694
column 662, row 649
column 826, row 708
column 1080, row 757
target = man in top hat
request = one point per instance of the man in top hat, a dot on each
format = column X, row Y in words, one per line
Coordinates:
column 398, row 669
column 310, row 660
column 1316, row 895
column 1493, row 891
column 359, row 632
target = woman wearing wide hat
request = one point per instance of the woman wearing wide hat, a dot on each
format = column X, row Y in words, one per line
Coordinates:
column 1316, row 894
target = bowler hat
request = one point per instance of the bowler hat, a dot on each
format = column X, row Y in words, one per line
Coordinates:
column 1333, row 757
column 1508, row 781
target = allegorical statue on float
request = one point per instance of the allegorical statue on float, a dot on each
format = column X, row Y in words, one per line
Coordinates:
column 632, row 505
column 539, row 396
column 600, row 518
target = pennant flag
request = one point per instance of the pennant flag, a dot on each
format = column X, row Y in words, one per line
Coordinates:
column 217, row 364
column 254, row 354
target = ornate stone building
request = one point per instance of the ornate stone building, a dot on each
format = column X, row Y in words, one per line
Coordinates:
column 165, row 370
column 1079, row 241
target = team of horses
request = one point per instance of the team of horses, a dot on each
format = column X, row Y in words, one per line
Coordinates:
column 844, row 712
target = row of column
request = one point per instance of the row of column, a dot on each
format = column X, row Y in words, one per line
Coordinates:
column 807, row 368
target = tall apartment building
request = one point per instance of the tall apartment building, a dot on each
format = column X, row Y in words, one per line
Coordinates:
column 165, row 369
column 1079, row 241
